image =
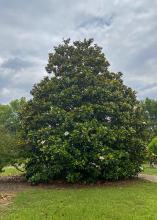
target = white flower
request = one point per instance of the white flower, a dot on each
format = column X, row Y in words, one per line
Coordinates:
column 108, row 118
column 93, row 164
column 101, row 158
column 66, row 133
column 97, row 166
column 42, row 142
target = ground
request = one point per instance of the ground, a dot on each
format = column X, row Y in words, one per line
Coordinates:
column 134, row 201
column 149, row 170
column 131, row 200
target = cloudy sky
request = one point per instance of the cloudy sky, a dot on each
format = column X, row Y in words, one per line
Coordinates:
column 126, row 29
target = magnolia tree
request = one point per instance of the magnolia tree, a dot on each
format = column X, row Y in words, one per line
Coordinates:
column 83, row 123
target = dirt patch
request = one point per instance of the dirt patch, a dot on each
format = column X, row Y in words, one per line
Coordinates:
column 5, row 198
column 9, row 187
column 62, row 184
column 14, row 184
column 13, row 179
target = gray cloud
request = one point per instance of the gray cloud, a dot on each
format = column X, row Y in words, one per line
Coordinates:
column 126, row 30
column 96, row 22
column 16, row 64
column 149, row 87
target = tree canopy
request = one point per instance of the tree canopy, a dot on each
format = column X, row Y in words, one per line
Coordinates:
column 9, row 132
column 83, row 123
column 150, row 112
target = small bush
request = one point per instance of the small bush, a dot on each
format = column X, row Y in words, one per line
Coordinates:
column 153, row 146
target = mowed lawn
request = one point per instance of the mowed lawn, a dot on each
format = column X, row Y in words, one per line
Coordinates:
column 131, row 201
column 10, row 171
column 150, row 170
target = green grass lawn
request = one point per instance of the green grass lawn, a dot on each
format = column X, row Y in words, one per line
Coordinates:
column 10, row 171
column 135, row 201
column 149, row 170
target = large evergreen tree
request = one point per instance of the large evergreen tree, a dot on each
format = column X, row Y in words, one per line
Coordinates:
column 83, row 123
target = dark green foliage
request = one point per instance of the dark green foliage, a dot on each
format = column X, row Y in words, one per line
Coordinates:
column 83, row 123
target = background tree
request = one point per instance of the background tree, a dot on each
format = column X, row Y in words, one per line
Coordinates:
column 8, row 151
column 10, row 142
column 83, row 123
column 152, row 151
column 150, row 111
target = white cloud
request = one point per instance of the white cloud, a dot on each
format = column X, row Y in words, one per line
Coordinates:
column 5, row 92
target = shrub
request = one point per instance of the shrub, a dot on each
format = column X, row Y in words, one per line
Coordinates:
column 152, row 151
column 83, row 123
column 153, row 146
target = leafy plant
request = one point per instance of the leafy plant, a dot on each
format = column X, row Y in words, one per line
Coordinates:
column 152, row 151
column 153, row 146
